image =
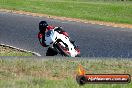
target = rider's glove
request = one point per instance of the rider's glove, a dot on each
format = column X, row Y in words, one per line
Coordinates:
column 59, row 29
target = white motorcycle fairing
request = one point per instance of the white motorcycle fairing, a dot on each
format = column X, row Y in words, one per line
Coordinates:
column 52, row 36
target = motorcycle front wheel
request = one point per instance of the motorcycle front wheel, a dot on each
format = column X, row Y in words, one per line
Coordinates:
column 63, row 50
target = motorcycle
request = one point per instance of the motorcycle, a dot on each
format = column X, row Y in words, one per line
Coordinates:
column 59, row 43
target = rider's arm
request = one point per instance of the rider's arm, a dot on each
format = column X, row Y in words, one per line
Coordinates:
column 58, row 29
column 61, row 31
column 50, row 27
column 41, row 38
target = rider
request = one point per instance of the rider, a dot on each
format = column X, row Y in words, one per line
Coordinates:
column 44, row 27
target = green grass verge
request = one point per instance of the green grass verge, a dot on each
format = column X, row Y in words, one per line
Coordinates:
column 6, row 51
column 58, row 73
column 112, row 11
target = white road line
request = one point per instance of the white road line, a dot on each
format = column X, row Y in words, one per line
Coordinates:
column 34, row 53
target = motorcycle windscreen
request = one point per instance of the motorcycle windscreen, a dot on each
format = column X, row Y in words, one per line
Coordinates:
column 50, row 37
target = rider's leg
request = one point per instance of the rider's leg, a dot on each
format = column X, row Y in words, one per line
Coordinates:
column 51, row 52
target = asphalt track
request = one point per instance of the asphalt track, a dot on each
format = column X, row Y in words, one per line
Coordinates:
column 93, row 40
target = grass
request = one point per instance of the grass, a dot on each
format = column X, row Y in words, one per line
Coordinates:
column 6, row 51
column 58, row 73
column 102, row 10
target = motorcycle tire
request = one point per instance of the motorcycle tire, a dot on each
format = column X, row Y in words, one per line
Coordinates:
column 62, row 52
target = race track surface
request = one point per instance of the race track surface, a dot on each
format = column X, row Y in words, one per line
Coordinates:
column 93, row 40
